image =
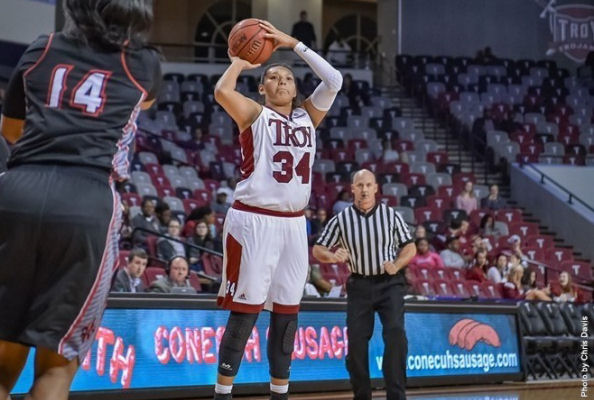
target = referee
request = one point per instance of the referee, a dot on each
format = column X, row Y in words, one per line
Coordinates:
column 369, row 235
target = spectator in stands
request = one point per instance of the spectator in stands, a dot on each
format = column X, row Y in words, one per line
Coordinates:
column 466, row 200
column 163, row 213
column 516, row 248
column 389, row 155
column 128, row 279
column 167, row 248
column 478, row 270
column 145, row 220
column 493, row 201
column 513, row 288
column 177, row 276
column 357, row 97
column 207, row 214
column 565, row 292
column 229, row 188
column 343, row 201
column 339, row 51
column 425, row 257
column 457, row 228
column 126, row 229
column 498, row 272
column 304, row 31
column 480, row 243
column 316, row 278
column 420, row 232
column 529, row 280
column 320, row 221
column 220, row 205
column 451, row 256
column 489, row 228
column 200, row 238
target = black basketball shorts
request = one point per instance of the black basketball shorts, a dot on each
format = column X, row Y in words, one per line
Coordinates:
column 58, row 250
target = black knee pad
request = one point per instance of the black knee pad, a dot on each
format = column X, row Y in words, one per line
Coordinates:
column 238, row 330
column 281, row 339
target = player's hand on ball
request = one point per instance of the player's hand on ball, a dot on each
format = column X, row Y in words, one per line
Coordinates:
column 391, row 267
column 341, row 255
column 280, row 38
column 243, row 63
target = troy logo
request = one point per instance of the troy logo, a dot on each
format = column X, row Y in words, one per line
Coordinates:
column 572, row 27
column 289, row 136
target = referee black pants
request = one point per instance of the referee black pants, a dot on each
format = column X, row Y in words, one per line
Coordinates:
column 366, row 295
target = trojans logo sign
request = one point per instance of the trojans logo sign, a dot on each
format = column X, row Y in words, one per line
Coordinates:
column 572, row 28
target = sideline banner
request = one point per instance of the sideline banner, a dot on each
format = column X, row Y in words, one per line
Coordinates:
column 159, row 348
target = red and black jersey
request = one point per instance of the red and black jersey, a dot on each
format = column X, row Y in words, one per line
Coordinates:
column 79, row 103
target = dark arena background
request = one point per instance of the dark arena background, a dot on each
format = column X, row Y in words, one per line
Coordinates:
column 436, row 94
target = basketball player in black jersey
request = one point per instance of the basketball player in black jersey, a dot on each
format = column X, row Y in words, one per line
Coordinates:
column 70, row 114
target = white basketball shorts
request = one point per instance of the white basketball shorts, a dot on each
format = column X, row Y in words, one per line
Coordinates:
column 265, row 261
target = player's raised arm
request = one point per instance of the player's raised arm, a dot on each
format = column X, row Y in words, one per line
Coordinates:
column 320, row 101
column 242, row 109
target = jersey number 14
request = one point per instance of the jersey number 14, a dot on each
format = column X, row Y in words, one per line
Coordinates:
column 88, row 95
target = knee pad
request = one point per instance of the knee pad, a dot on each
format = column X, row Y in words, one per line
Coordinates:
column 238, row 330
column 281, row 339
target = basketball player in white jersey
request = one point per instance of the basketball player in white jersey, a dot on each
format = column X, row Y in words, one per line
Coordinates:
column 266, row 257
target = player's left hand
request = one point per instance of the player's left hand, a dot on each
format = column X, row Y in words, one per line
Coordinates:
column 280, row 38
column 391, row 268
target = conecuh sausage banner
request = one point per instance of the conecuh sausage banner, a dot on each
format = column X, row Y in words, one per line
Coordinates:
column 159, row 348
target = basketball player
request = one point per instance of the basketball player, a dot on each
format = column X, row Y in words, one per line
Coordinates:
column 70, row 112
column 266, row 258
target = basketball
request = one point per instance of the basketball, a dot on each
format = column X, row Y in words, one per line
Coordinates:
column 247, row 41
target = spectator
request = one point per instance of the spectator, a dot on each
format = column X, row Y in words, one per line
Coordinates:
column 529, row 279
column 220, row 205
column 457, row 228
column 177, row 276
column 466, row 200
column 479, row 243
column 320, row 221
column 318, row 281
column 565, row 292
column 308, row 221
column 451, row 255
column 425, row 257
column 304, row 31
column 128, row 279
column 479, row 267
column 163, row 213
column 167, row 248
column 339, row 51
column 126, row 229
column 229, row 189
column 516, row 248
column 207, row 214
column 420, row 232
column 513, row 288
column 357, row 98
column 343, row 201
column 389, row 155
column 145, row 220
column 493, row 201
column 498, row 272
column 200, row 238
column 490, row 227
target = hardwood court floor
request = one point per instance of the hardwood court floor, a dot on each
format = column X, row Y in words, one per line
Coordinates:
column 547, row 390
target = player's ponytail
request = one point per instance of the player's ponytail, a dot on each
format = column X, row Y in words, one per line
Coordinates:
column 109, row 24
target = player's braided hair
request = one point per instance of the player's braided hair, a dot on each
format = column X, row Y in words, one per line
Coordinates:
column 109, row 24
column 297, row 100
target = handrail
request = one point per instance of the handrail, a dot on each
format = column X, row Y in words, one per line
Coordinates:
column 162, row 235
column 570, row 194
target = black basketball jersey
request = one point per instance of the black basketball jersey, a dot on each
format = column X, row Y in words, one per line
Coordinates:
column 79, row 103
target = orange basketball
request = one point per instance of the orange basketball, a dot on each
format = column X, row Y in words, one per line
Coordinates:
column 247, row 41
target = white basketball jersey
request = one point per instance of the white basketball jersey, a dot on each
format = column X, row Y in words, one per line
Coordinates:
column 277, row 157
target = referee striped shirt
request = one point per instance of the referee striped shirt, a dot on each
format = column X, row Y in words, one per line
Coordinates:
column 371, row 239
